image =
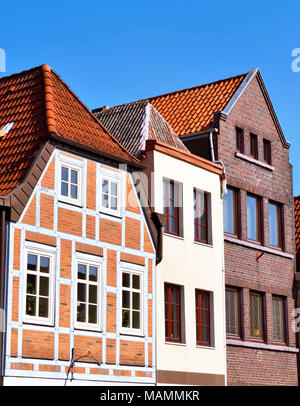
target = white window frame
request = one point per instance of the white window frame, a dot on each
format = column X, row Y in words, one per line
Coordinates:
column 47, row 252
column 76, row 167
column 89, row 260
column 108, row 210
column 140, row 273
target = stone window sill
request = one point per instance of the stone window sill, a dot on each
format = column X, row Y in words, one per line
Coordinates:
column 254, row 161
column 261, row 346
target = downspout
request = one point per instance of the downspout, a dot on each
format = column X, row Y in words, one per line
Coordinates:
column 223, row 193
column 2, row 285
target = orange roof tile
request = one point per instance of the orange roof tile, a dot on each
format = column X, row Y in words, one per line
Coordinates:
column 191, row 110
column 297, row 228
column 38, row 102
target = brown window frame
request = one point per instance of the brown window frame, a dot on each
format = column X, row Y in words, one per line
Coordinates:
column 263, row 323
column 284, row 312
column 168, row 312
column 197, row 224
column 267, row 151
column 236, row 211
column 239, row 293
column 254, row 146
column 175, row 205
column 199, row 325
column 259, row 219
column 239, row 140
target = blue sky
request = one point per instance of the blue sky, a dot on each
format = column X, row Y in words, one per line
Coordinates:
column 114, row 52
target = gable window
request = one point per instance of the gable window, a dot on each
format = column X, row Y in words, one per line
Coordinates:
column 254, row 218
column 88, row 294
column 173, row 309
column 233, row 312
column 267, row 152
column 253, row 146
column 230, row 208
column 172, row 196
column 275, row 224
column 203, row 317
column 239, row 134
column 257, row 315
column 110, row 196
column 39, row 280
column 70, row 183
column 201, row 216
column 279, row 319
column 132, row 297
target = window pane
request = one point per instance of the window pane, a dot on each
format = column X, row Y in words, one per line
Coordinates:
column 232, row 311
column 135, row 281
column 113, row 203
column 125, row 318
column 30, row 305
column 256, row 315
column 74, row 176
column 126, row 280
column 44, row 264
column 274, row 224
column 93, row 273
column 74, row 192
column 114, row 189
column 252, row 218
column 92, row 314
column 43, row 307
column 229, row 212
column 31, row 284
column 92, row 294
column 105, row 186
column 175, row 295
column 44, row 286
column 126, row 299
column 81, row 312
column 31, row 262
column 81, row 292
column 175, row 330
column 136, row 301
column 136, row 319
column 64, row 174
column 64, row 189
column 278, row 319
column 81, row 271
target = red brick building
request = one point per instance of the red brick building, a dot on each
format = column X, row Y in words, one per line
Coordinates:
column 233, row 121
column 78, row 252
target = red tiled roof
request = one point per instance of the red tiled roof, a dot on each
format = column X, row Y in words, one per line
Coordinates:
column 40, row 103
column 191, row 110
column 297, row 227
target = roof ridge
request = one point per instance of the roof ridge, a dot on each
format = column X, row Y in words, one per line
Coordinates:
column 3, row 78
column 49, row 107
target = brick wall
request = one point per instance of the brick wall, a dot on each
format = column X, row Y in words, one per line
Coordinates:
column 272, row 273
column 70, row 231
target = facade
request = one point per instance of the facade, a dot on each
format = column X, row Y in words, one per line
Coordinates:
column 79, row 255
column 190, row 280
column 233, row 121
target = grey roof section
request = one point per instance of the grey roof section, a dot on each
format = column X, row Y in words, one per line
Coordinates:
column 134, row 123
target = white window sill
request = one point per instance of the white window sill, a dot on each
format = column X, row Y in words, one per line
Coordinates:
column 203, row 244
column 178, row 237
column 258, row 247
column 254, row 161
column 174, row 343
column 261, row 346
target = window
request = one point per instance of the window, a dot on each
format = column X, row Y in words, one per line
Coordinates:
column 88, row 293
column 253, row 146
column 267, row 152
column 172, row 196
column 203, row 317
column 110, row 196
column 233, row 312
column 257, row 315
column 201, row 216
column 132, row 296
column 239, row 133
column 254, row 218
column 275, row 224
column 279, row 323
column 70, row 183
column 230, row 207
column 39, row 275
column 173, row 313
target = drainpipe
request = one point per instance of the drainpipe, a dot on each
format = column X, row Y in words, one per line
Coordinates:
column 212, row 152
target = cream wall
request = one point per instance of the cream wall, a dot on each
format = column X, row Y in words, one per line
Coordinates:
column 192, row 265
